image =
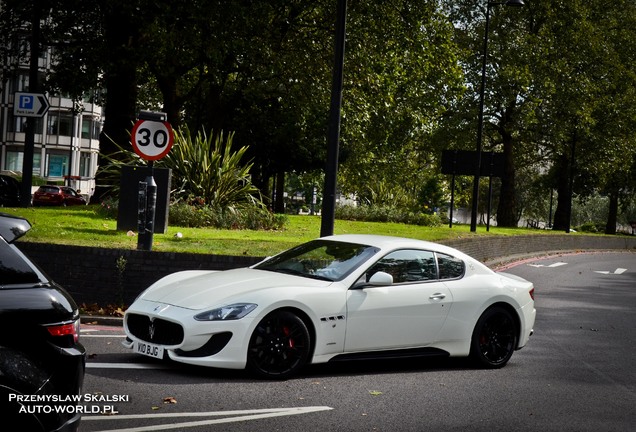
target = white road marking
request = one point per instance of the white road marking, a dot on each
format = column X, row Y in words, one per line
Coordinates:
column 617, row 271
column 238, row 416
column 556, row 264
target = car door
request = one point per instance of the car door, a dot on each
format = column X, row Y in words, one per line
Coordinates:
column 408, row 313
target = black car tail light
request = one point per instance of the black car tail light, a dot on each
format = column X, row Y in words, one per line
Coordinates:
column 65, row 330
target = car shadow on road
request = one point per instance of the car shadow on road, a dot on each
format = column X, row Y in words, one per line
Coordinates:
column 189, row 374
column 387, row 366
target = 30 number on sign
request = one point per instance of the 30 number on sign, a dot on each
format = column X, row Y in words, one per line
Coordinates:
column 151, row 140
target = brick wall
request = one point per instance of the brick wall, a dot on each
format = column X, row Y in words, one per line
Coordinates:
column 110, row 276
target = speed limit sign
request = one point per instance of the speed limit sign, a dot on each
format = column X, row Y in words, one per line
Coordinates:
column 151, row 139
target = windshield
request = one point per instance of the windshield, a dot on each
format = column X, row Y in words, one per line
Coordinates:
column 320, row 259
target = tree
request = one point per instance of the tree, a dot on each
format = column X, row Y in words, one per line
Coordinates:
column 506, row 97
column 402, row 73
column 585, row 104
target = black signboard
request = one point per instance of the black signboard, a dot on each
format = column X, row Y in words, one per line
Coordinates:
column 462, row 162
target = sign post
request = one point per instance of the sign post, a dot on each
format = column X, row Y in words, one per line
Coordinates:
column 151, row 138
column 32, row 105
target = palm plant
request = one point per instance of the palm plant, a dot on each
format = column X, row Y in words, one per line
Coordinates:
column 205, row 168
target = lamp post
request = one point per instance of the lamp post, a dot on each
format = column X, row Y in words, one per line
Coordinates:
column 480, row 125
column 331, row 171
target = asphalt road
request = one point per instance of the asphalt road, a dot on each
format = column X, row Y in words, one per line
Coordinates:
column 576, row 374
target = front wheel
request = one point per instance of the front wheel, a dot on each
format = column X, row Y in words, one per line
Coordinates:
column 279, row 347
column 494, row 338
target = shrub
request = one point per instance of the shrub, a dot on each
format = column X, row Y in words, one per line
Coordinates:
column 246, row 217
column 592, row 227
column 386, row 214
column 108, row 208
column 203, row 166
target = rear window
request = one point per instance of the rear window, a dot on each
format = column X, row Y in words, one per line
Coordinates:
column 450, row 267
column 14, row 269
column 49, row 189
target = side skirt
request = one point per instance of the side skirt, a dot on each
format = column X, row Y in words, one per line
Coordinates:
column 391, row 354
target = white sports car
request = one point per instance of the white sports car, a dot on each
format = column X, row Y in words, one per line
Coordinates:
column 335, row 298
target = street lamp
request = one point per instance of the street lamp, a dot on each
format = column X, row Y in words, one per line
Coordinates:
column 331, row 171
column 480, row 125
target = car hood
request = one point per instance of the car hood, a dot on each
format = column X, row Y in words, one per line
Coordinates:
column 198, row 289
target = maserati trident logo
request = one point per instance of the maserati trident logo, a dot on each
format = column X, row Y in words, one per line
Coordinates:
column 151, row 330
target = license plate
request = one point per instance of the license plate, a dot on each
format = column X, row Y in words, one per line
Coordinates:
column 149, row 350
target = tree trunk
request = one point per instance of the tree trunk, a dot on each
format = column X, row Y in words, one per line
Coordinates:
column 279, row 205
column 121, row 80
column 121, row 92
column 564, row 199
column 610, row 228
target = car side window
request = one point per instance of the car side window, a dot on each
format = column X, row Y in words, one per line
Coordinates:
column 407, row 266
column 450, row 267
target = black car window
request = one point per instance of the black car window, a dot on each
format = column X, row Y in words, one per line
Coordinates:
column 13, row 268
column 450, row 267
column 407, row 266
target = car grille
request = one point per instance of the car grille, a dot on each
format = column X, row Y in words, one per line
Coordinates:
column 157, row 331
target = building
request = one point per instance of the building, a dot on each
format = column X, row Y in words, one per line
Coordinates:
column 66, row 138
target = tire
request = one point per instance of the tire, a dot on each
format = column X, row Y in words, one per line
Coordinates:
column 494, row 338
column 279, row 346
column 11, row 414
column 15, row 381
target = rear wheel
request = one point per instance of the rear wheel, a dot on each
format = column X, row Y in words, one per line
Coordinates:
column 279, row 347
column 494, row 338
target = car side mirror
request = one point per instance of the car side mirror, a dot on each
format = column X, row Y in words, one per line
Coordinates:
column 380, row 279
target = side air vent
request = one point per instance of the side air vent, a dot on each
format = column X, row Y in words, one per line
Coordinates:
column 333, row 318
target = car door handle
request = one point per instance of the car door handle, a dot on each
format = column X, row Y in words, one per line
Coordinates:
column 438, row 296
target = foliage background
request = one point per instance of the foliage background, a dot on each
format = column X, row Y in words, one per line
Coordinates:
column 559, row 93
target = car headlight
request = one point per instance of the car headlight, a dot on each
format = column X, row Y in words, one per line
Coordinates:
column 225, row 313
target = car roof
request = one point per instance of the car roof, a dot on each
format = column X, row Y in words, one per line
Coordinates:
column 13, row 227
column 392, row 242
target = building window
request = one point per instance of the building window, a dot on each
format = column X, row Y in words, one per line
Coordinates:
column 58, row 165
column 18, row 124
column 15, row 160
column 87, row 127
column 20, row 83
column 90, row 128
column 85, row 164
column 60, row 124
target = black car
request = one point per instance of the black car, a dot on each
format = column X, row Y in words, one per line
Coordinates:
column 42, row 362
column 9, row 191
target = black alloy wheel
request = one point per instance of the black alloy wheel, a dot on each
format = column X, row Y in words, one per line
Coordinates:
column 494, row 338
column 279, row 347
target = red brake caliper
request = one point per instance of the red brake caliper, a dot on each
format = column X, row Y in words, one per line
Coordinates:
column 287, row 333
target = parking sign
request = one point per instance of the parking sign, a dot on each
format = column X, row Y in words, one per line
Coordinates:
column 30, row 104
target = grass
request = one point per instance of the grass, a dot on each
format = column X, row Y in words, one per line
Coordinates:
column 85, row 226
